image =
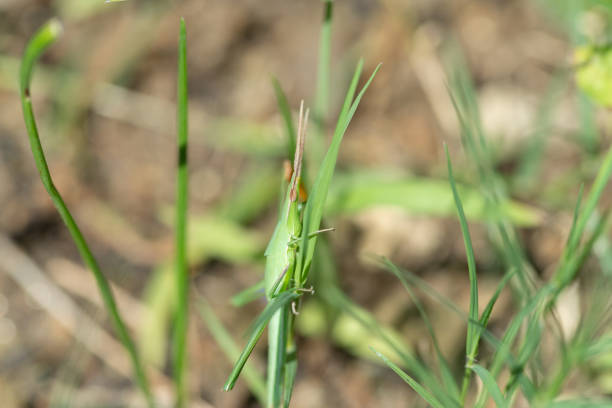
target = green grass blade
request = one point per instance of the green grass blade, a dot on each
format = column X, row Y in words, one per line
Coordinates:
column 182, row 273
column 256, row 330
column 573, row 238
column 254, row 380
column 336, row 298
column 290, row 370
column 463, row 97
column 567, row 272
column 43, row 38
column 248, row 295
column 313, row 211
column 285, row 111
column 471, row 342
column 447, row 376
column 277, row 339
column 491, row 385
column 486, row 314
column 422, row 391
column 321, row 106
column 585, row 403
column 357, row 191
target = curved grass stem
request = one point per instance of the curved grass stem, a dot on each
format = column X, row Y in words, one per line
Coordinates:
column 43, row 38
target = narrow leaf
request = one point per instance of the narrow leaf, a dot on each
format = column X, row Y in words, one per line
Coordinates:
column 423, row 392
column 256, row 330
column 491, row 385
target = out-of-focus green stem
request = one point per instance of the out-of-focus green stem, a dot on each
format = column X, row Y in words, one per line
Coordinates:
column 182, row 277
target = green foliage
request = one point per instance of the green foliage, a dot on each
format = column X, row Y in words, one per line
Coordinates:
column 594, row 72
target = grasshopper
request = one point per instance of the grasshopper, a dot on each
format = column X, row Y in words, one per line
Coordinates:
column 281, row 256
column 282, row 249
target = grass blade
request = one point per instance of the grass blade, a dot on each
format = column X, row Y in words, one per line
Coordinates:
column 254, row 381
column 277, row 346
column 422, row 391
column 471, row 342
column 285, row 111
column 256, row 331
column 321, row 106
column 182, row 273
column 491, row 385
column 335, row 297
column 41, row 40
column 447, row 376
column 249, row 294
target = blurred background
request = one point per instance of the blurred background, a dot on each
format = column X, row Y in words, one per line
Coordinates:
column 105, row 98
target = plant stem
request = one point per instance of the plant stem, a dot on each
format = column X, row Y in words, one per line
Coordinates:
column 45, row 36
column 182, row 274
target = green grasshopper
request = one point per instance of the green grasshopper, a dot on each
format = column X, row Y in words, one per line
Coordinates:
column 281, row 251
column 281, row 256
column 281, row 281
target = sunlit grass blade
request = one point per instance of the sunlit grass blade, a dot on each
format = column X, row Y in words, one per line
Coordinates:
column 182, row 273
column 422, row 391
column 256, row 330
column 313, row 211
column 491, row 385
column 254, row 380
column 41, row 40
column 471, row 342
column 248, row 295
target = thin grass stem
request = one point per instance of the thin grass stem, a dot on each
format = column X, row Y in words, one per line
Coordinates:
column 43, row 38
column 182, row 274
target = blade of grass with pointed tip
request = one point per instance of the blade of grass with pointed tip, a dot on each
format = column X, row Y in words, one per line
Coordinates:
column 181, row 272
column 248, row 295
column 422, row 391
column 491, row 385
column 285, row 111
column 254, row 380
column 41, row 40
column 256, row 330
column 313, row 211
column 471, row 342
